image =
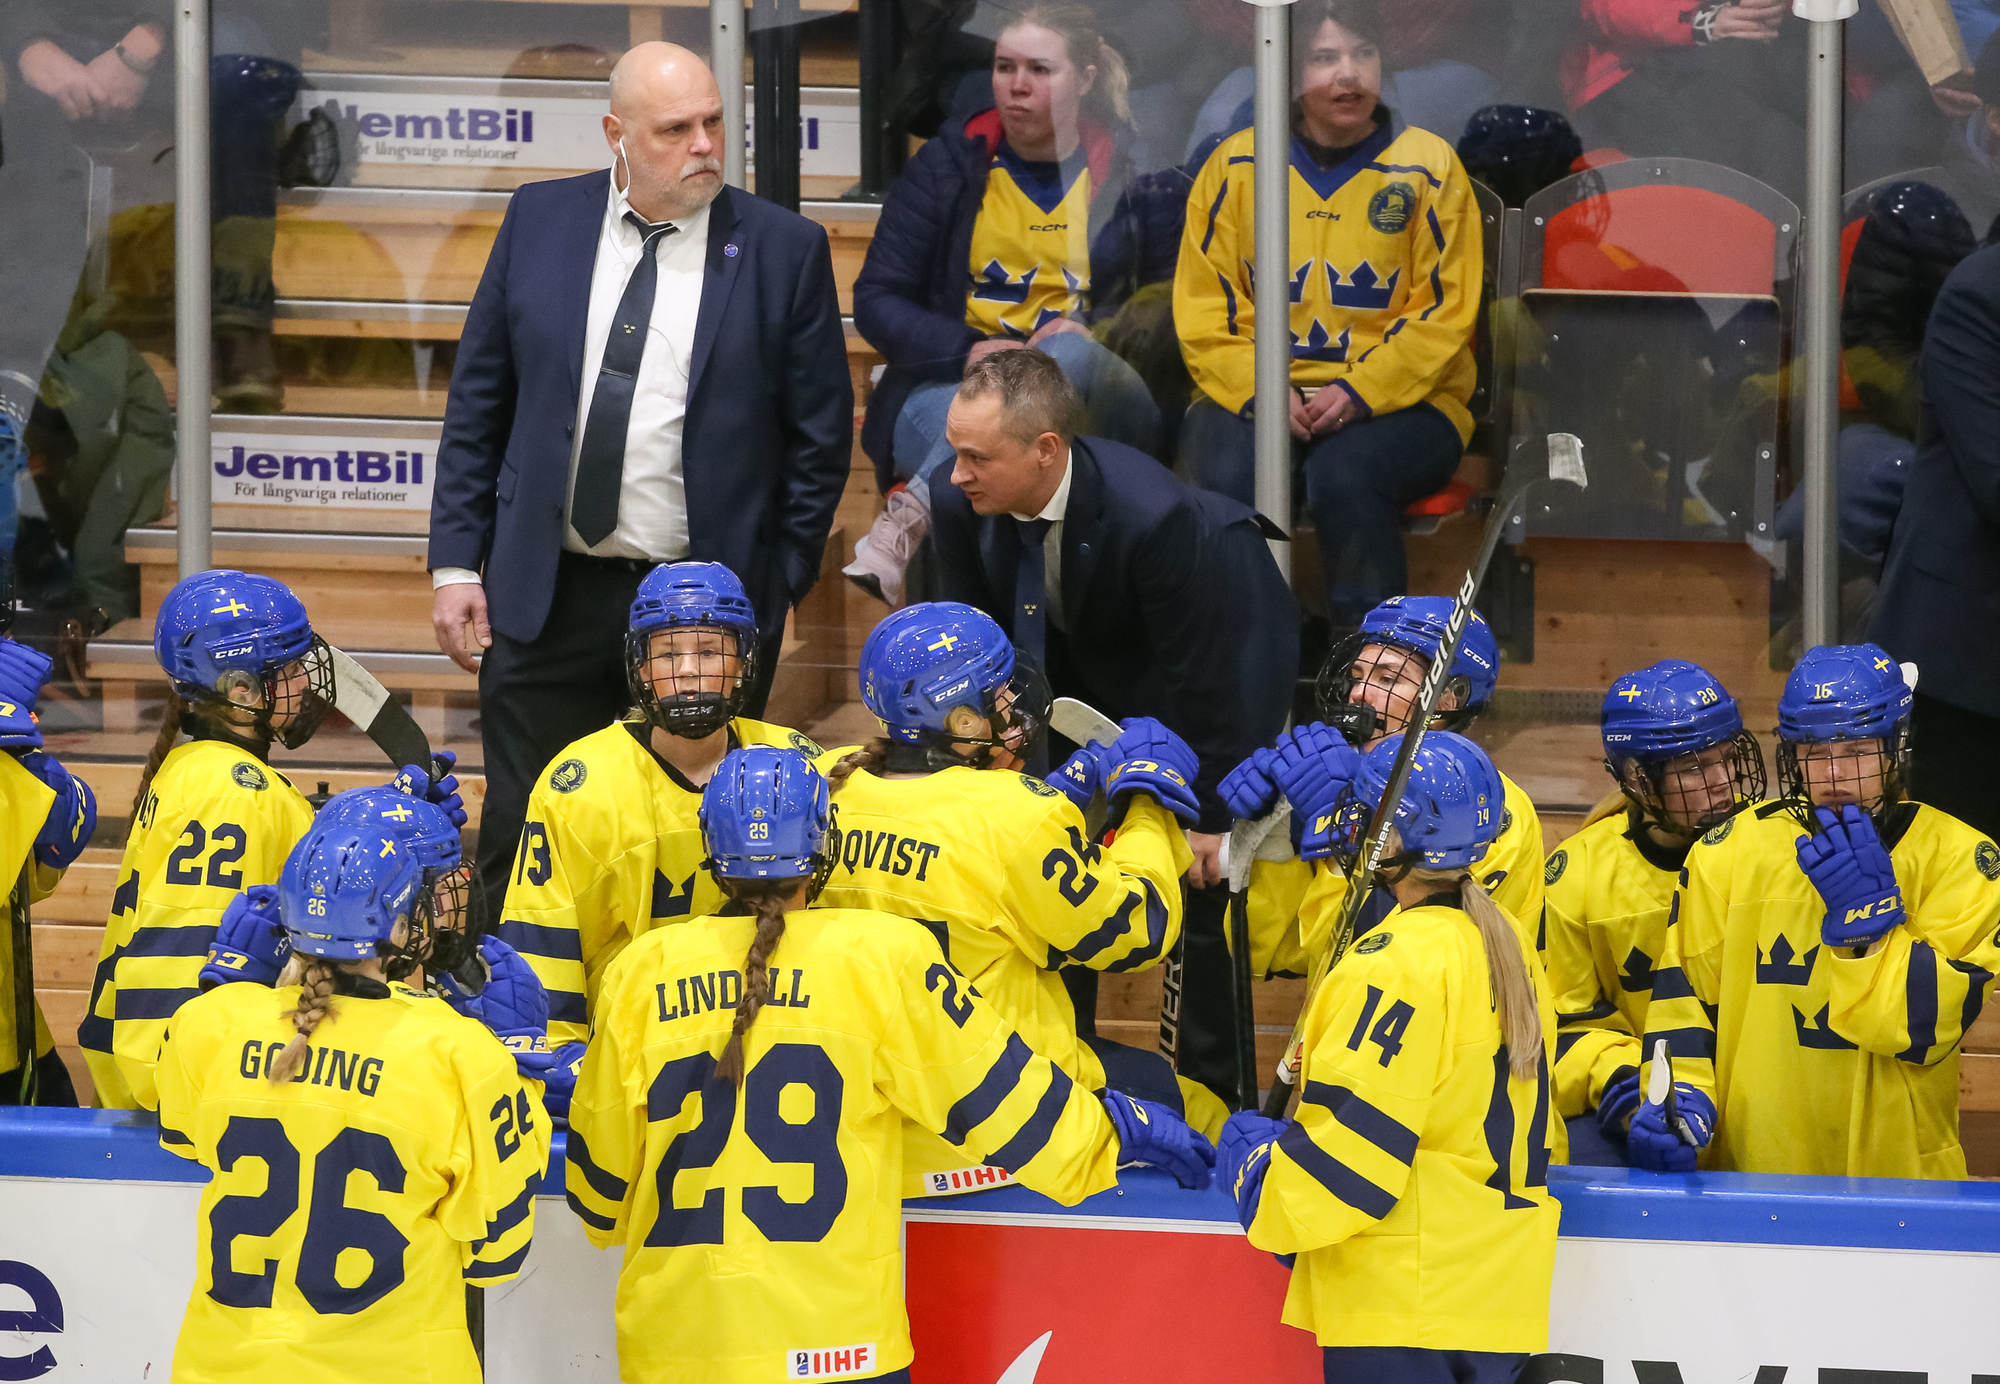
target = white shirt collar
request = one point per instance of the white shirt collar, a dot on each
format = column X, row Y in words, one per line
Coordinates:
column 1058, row 505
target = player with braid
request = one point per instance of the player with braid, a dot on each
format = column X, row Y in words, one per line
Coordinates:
column 212, row 816
column 738, row 1126
column 381, row 1151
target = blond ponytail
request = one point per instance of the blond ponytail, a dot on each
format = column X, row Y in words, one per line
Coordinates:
column 314, row 977
column 870, row 757
column 1113, row 93
column 1513, row 986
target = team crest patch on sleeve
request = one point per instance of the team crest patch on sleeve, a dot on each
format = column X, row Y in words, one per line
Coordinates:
column 1553, row 871
column 1373, row 942
column 804, row 745
column 839, row 1362
column 1986, row 857
column 1718, row 832
column 248, row 775
column 1390, row 210
column 568, row 776
column 1038, row 786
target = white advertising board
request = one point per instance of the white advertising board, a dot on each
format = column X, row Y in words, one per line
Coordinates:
column 318, row 463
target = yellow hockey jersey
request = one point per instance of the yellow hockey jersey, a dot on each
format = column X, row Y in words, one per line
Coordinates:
column 1385, row 275
column 998, row 867
column 350, row 1206
column 24, row 806
column 611, row 848
column 1030, row 259
column 762, row 1227
column 216, row 820
column 1821, row 1061
column 1413, row 1183
column 1609, row 891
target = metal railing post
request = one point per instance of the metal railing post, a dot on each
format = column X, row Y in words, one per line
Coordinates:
column 193, row 365
column 725, row 58
column 1819, row 317
column 1273, row 136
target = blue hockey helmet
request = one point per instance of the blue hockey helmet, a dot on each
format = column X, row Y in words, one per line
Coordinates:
column 1415, row 625
column 223, row 636
column 345, row 887
column 766, row 814
column 685, row 595
column 1671, row 711
column 940, row 672
column 1453, row 806
column 1854, row 692
column 426, row 832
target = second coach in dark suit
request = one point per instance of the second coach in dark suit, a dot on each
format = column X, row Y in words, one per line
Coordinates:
column 1138, row 594
column 653, row 368
column 1940, row 599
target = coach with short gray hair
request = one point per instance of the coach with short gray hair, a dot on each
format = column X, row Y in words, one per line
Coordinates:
column 1136, row 593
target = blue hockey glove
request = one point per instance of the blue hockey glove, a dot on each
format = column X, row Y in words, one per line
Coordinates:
column 1081, row 776
column 1248, row 790
column 512, row 1003
column 250, row 943
column 72, row 817
column 1312, row 765
column 22, row 672
column 442, row 791
column 1148, row 1132
column 1148, row 758
column 566, row 1062
column 1622, row 1095
column 1660, row 1149
column 1850, row 867
column 1244, row 1156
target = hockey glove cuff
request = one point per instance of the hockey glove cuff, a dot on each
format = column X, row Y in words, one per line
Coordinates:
column 1850, row 867
column 72, row 817
column 1248, row 790
column 442, row 790
column 22, row 672
column 1659, row 1143
column 1148, row 1132
column 250, row 942
column 1621, row 1098
column 1081, row 776
column 1244, row 1156
column 1148, row 758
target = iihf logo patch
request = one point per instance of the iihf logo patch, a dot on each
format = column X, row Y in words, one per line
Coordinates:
column 1390, row 210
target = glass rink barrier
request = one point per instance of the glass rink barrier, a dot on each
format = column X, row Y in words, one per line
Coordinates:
column 1704, row 1276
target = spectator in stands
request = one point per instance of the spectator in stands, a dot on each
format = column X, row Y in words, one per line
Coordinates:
column 722, row 431
column 1386, row 282
column 985, row 245
column 1137, row 594
column 1940, row 597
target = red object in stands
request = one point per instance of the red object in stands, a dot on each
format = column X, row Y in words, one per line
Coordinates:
column 1453, row 499
column 1660, row 239
column 1850, row 236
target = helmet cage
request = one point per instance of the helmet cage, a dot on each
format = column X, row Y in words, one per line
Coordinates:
column 288, row 717
column 1890, row 758
column 1361, row 722
column 1662, row 801
column 691, row 715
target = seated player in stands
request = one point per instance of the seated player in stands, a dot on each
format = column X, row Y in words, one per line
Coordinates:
column 1827, row 952
column 984, row 245
column 211, row 816
column 1386, row 268
column 767, row 1245
column 1425, row 1091
column 1674, row 741
column 611, row 847
column 936, row 825
column 378, row 1151
column 47, row 816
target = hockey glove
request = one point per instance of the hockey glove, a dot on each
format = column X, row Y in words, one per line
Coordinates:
column 1148, row 758
column 511, row 1002
column 443, row 791
column 1660, row 1144
column 1081, row 776
column 1847, row 862
column 72, row 817
column 22, row 672
column 559, row 1084
column 1148, row 1132
column 1244, row 1156
column 1248, row 790
column 1621, row 1097
column 250, row 943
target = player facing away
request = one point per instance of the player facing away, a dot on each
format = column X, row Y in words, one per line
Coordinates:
column 373, row 1152
column 738, row 1127
column 1675, row 743
column 612, row 848
column 211, row 816
column 937, row 825
column 1828, row 950
column 1412, row 1185
column 47, row 816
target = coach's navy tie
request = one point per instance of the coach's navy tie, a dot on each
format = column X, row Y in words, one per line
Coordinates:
column 600, row 464
column 1031, row 593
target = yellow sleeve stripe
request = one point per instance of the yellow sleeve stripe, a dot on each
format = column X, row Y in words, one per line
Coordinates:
column 481, row 1271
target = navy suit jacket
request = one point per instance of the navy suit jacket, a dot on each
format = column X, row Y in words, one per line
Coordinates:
column 770, row 412
column 1172, row 604
column 1940, row 598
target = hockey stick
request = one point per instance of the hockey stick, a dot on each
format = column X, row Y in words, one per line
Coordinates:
column 1565, row 468
column 360, row 697
column 1240, row 852
column 24, row 983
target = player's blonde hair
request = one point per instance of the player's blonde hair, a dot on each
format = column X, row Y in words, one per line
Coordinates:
column 163, row 744
column 871, row 757
column 767, row 897
column 1506, row 965
column 314, row 976
column 1110, row 95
